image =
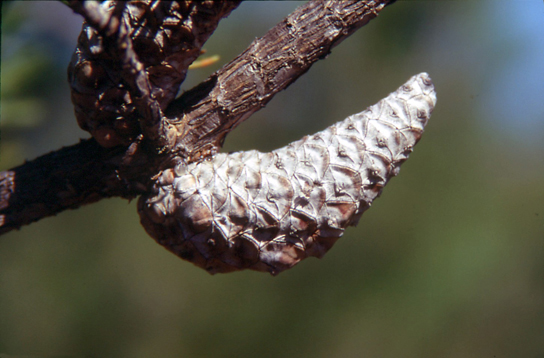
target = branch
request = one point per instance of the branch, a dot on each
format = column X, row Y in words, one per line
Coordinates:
column 65, row 179
column 270, row 64
column 85, row 172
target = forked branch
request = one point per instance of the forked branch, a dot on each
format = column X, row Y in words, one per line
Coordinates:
column 124, row 163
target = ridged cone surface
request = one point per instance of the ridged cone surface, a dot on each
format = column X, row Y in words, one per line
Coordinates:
column 268, row 211
column 166, row 40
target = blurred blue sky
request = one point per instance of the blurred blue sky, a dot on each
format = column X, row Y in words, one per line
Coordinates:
column 514, row 94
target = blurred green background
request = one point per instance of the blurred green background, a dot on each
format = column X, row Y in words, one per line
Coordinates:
column 448, row 263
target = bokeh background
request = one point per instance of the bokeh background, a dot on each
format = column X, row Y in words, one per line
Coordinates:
column 449, row 262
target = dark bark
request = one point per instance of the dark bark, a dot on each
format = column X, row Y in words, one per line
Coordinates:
column 61, row 180
column 138, row 58
column 198, row 121
column 269, row 65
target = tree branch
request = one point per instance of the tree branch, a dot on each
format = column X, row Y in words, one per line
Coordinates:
column 65, row 179
column 86, row 172
column 270, row 64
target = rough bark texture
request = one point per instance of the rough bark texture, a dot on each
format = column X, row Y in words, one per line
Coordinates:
column 131, row 59
column 197, row 122
column 268, row 211
column 61, row 180
column 266, row 67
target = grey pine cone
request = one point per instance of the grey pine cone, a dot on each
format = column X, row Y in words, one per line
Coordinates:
column 268, row 211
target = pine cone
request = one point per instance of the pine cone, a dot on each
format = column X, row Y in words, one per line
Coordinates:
column 166, row 41
column 268, row 211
